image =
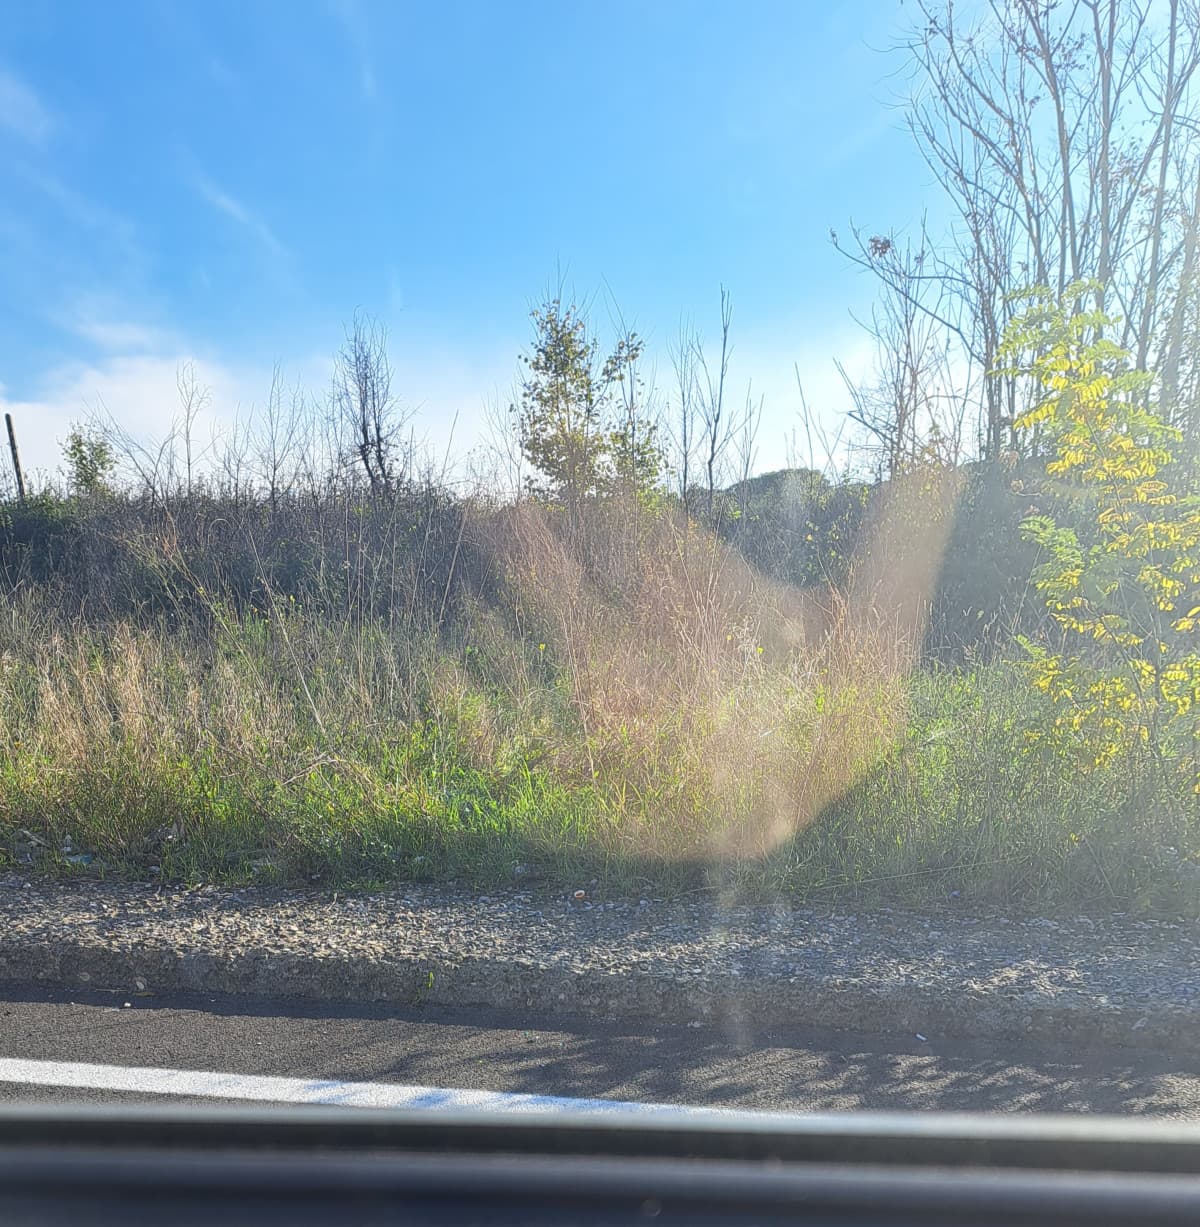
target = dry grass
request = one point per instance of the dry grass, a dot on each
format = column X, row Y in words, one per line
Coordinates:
column 638, row 706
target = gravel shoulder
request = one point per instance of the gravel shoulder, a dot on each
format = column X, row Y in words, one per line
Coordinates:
column 1113, row 981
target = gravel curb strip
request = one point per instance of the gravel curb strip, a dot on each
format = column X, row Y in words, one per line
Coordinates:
column 1077, row 982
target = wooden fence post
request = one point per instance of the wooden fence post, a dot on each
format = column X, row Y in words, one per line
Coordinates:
column 16, row 457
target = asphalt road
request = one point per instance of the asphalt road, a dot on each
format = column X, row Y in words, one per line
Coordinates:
column 798, row 1069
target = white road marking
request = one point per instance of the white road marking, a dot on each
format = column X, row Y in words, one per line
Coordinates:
column 147, row 1080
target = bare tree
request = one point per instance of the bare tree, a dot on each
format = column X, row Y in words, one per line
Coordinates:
column 504, row 469
column 821, row 449
column 1060, row 135
column 913, row 407
column 684, row 423
column 364, row 404
column 1180, row 367
column 277, row 441
column 717, row 428
column 747, row 446
column 149, row 465
column 234, row 479
column 194, row 399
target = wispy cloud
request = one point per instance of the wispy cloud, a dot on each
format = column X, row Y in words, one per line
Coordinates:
column 80, row 209
column 117, row 334
column 354, row 22
column 233, row 208
column 21, row 111
column 101, row 320
column 62, row 239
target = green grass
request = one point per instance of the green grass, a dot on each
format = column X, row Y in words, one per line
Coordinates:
column 288, row 748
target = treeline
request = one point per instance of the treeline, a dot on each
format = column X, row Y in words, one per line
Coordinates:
column 425, row 553
column 327, row 505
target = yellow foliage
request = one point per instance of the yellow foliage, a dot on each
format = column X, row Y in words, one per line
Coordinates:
column 1116, row 577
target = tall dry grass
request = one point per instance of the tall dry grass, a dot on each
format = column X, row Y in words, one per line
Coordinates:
column 354, row 694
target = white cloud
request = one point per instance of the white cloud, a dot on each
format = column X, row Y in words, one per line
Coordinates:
column 21, row 111
column 139, row 391
column 446, row 385
column 233, row 208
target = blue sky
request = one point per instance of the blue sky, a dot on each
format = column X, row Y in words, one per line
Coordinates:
column 228, row 182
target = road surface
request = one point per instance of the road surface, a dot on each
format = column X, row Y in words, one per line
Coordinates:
column 798, row 1069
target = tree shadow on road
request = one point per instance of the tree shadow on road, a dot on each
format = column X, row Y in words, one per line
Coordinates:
column 725, row 1064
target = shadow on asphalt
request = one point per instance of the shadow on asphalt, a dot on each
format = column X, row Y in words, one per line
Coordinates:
column 730, row 1063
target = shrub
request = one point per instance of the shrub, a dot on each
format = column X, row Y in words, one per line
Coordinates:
column 1123, row 578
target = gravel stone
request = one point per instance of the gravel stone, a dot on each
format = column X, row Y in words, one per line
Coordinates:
column 1116, row 980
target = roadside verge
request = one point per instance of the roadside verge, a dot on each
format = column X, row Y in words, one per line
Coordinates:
column 1117, row 981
